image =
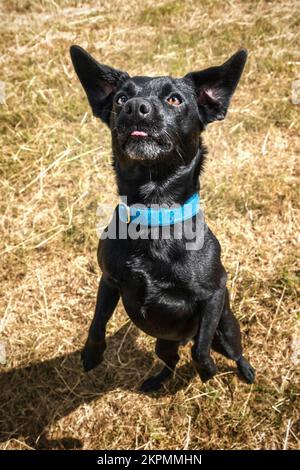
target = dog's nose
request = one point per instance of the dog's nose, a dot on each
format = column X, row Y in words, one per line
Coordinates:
column 138, row 107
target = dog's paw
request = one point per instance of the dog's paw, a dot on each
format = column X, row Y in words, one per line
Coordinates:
column 246, row 370
column 206, row 369
column 151, row 384
column 91, row 356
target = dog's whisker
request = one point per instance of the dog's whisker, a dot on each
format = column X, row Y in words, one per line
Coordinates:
column 175, row 145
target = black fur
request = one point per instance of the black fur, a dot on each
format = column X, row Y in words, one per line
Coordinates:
column 169, row 292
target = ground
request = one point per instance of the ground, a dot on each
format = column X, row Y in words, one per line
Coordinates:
column 55, row 170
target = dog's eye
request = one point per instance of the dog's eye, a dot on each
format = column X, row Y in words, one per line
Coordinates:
column 122, row 99
column 174, row 100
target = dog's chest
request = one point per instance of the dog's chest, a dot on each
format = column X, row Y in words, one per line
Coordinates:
column 160, row 292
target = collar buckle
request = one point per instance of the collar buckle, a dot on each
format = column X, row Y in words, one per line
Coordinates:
column 127, row 210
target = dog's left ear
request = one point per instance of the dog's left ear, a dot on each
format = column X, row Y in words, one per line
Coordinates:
column 100, row 82
column 215, row 86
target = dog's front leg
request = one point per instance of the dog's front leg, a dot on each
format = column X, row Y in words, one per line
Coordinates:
column 211, row 311
column 107, row 299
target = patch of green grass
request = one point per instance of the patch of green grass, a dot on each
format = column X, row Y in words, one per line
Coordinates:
column 161, row 14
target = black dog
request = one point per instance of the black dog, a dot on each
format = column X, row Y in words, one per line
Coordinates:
column 169, row 292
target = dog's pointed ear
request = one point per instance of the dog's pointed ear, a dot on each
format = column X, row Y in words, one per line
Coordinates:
column 215, row 86
column 100, row 82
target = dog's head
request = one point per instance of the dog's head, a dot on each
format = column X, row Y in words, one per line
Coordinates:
column 157, row 118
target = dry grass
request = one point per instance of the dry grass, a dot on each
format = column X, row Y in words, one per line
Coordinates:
column 55, row 169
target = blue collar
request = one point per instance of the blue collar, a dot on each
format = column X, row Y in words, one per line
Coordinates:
column 159, row 217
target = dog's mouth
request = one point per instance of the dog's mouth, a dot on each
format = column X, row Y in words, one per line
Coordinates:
column 141, row 144
column 139, row 134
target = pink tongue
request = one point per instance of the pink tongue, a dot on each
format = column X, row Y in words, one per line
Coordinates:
column 139, row 133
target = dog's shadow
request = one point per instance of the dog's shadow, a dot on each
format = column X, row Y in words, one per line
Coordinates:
column 34, row 397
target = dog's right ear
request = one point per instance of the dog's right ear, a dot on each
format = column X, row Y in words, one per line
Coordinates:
column 100, row 82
